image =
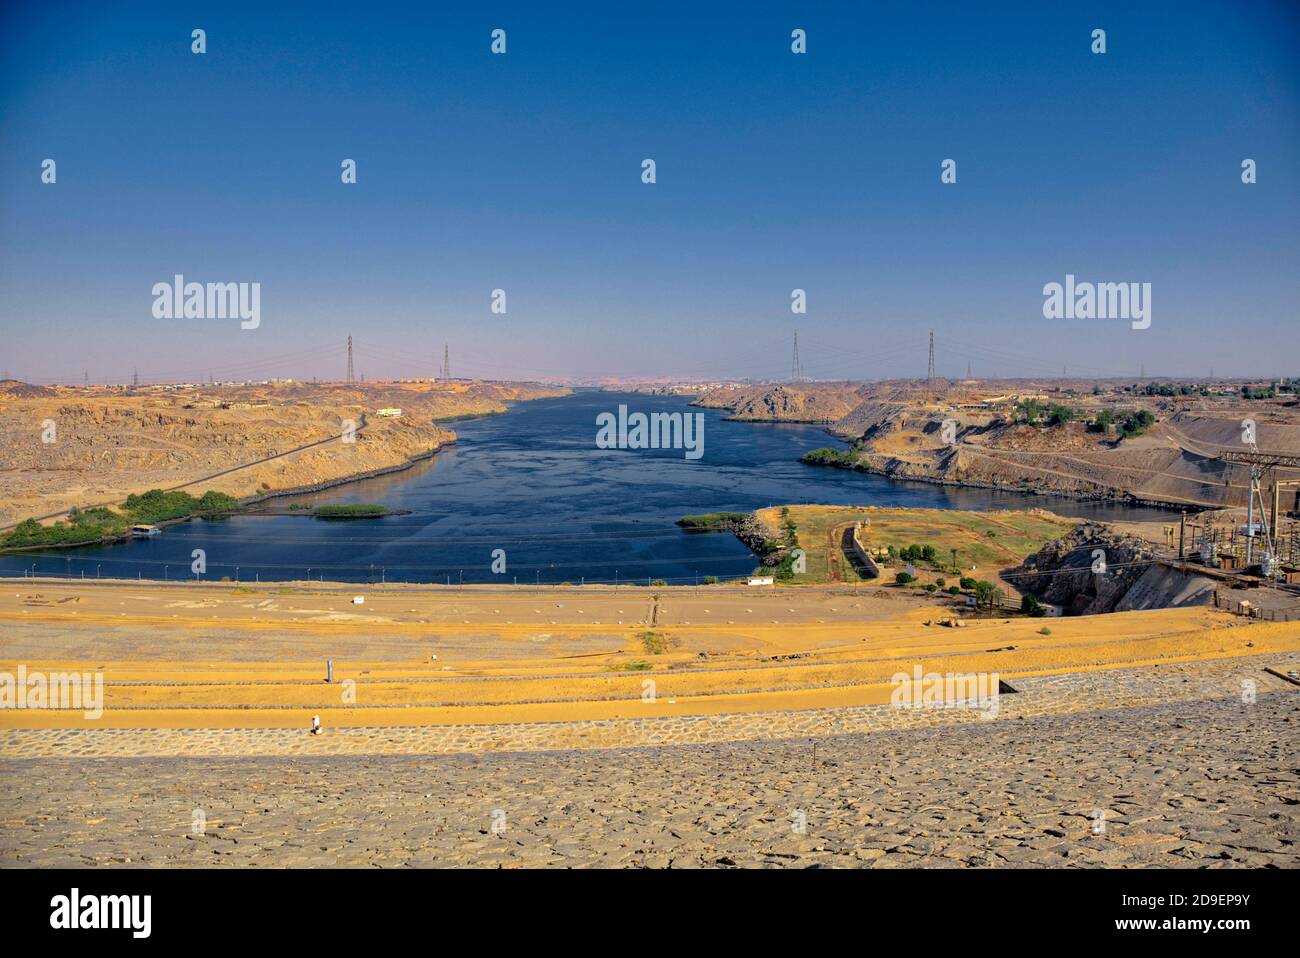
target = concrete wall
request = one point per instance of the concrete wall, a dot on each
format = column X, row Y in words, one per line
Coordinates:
column 860, row 554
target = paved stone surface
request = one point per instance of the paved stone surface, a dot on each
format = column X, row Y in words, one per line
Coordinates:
column 1202, row 783
column 1036, row 696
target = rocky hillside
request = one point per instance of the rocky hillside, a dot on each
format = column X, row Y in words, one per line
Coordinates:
column 16, row 389
column 1173, row 462
column 80, row 447
column 1066, row 573
column 897, row 429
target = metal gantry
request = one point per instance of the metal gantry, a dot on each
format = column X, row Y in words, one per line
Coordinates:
column 1261, row 466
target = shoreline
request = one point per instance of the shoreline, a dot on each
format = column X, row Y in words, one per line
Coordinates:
column 244, row 503
column 344, row 480
column 1124, row 499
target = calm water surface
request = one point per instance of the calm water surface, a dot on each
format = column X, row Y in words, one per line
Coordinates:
column 533, row 483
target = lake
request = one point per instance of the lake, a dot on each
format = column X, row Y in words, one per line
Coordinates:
column 533, row 483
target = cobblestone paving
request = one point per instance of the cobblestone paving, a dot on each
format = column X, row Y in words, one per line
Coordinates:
column 1039, row 696
column 1208, row 783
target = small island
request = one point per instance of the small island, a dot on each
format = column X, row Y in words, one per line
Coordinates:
column 354, row 510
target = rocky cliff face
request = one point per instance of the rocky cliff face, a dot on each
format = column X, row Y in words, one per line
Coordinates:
column 1096, row 569
column 791, row 404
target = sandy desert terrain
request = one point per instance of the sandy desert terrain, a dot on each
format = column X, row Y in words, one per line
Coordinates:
column 108, row 442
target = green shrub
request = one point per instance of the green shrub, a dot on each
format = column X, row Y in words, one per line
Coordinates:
column 1030, row 606
column 212, row 501
column 712, row 520
column 654, row 643
column 987, row 595
column 830, row 457
column 352, row 510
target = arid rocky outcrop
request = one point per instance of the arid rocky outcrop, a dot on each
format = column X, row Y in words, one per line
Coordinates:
column 1097, row 569
column 63, row 447
column 792, row 404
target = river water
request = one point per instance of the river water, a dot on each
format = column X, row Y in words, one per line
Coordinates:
column 533, row 483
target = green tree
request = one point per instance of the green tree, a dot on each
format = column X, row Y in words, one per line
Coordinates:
column 1030, row 606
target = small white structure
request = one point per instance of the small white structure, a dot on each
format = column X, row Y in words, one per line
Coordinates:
column 391, row 412
column 761, row 580
column 358, row 600
column 145, row 531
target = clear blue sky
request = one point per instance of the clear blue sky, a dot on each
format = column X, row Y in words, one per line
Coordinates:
column 775, row 171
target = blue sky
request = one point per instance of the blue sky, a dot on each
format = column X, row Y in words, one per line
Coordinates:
column 775, row 171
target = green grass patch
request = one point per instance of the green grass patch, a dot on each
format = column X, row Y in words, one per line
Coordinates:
column 654, row 643
column 719, row 521
column 353, row 510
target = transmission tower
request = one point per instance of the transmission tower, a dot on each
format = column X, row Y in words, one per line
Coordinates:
column 351, row 374
column 929, row 372
column 446, row 362
column 135, row 378
column 796, row 368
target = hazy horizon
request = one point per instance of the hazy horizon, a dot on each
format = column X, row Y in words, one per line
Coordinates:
column 775, row 171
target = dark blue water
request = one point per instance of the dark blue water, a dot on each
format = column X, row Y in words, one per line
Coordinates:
column 533, row 483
